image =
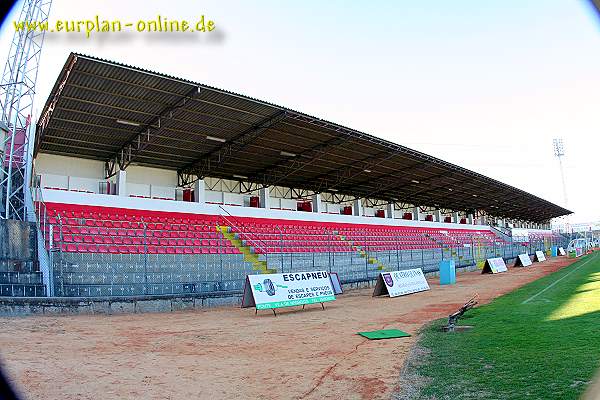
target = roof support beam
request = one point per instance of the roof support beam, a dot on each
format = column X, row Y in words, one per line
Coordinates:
column 128, row 152
column 215, row 158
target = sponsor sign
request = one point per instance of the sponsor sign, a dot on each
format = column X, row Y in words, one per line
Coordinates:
column 335, row 283
column 539, row 256
column 494, row 266
column 270, row 291
column 523, row 260
column 399, row 283
column 561, row 252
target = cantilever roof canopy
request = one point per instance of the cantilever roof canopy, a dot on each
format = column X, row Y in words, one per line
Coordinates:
column 120, row 114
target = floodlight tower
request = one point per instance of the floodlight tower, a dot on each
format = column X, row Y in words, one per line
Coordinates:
column 559, row 152
column 17, row 90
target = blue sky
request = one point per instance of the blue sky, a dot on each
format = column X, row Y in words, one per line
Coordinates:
column 486, row 85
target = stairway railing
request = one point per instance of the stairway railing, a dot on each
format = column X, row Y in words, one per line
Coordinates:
column 263, row 245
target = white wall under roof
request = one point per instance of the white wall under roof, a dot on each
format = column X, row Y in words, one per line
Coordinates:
column 151, row 176
column 83, row 168
column 69, row 166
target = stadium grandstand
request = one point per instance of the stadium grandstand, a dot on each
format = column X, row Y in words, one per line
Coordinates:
column 147, row 184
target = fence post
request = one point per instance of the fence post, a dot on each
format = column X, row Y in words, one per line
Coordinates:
column 329, row 248
column 366, row 258
column 220, row 262
column 62, row 284
column 281, row 249
column 44, row 218
column 145, row 257
column 398, row 253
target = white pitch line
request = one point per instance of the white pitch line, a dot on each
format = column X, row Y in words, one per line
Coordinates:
column 556, row 281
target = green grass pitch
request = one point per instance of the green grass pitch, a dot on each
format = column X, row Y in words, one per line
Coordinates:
column 541, row 341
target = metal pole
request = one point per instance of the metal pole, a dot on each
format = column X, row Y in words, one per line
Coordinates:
column 368, row 250
column 145, row 257
column 62, row 284
column 397, row 253
column 473, row 251
column 220, row 263
column 329, row 248
column 366, row 257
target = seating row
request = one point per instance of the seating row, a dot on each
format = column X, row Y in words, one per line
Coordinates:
column 91, row 229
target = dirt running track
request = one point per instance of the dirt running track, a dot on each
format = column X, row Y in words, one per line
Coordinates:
column 229, row 353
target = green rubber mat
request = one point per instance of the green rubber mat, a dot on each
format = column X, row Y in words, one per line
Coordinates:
column 384, row 334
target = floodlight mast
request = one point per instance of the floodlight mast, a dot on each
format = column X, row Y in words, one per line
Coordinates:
column 559, row 152
column 17, row 90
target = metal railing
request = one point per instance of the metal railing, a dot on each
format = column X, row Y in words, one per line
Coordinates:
column 238, row 228
column 41, row 211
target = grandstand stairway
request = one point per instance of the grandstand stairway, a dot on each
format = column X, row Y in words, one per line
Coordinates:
column 20, row 280
column 247, row 251
column 20, row 274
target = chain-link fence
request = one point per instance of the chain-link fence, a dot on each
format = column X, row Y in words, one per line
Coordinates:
column 96, row 257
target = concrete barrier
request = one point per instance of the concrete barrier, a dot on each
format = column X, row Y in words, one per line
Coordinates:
column 23, row 306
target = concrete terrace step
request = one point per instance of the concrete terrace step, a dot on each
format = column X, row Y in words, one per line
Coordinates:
column 247, row 251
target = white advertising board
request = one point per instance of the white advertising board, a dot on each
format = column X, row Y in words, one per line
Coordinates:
column 494, row 266
column 399, row 283
column 523, row 260
column 269, row 291
column 335, row 283
column 540, row 256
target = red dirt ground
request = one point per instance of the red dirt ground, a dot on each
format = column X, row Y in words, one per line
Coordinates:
column 229, row 353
